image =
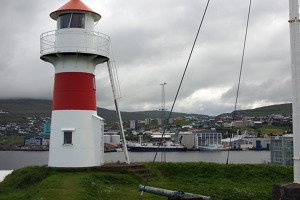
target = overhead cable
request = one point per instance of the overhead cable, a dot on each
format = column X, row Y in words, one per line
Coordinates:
column 186, row 66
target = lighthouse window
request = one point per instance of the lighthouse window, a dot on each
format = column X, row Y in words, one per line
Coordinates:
column 94, row 82
column 77, row 20
column 71, row 20
column 67, row 137
column 64, row 21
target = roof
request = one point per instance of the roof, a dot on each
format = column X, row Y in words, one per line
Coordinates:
column 75, row 5
column 288, row 135
column 231, row 139
column 160, row 136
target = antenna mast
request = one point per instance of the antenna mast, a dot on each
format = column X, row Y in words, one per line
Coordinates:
column 295, row 66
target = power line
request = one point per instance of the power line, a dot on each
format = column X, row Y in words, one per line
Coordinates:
column 190, row 55
column 240, row 75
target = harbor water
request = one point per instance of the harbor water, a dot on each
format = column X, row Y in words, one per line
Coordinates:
column 17, row 159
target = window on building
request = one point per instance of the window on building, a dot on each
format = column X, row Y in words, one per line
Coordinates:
column 94, row 82
column 71, row 20
column 67, row 137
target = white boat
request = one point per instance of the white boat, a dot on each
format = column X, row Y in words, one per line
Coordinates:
column 213, row 147
column 153, row 147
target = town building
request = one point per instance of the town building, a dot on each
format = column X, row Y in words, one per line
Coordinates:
column 187, row 139
column 133, row 124
column 36, row 142
column 207, row 138
column 282, row 150
column 46, row 129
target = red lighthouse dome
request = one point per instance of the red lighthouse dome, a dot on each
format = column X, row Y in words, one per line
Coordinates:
column 74, row 5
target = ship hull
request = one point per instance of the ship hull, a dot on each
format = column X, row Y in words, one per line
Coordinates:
column 155, row 148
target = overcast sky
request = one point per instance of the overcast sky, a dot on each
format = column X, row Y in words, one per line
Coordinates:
column 151, row 41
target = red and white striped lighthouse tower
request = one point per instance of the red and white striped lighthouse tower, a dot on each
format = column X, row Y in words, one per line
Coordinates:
column 76, row 138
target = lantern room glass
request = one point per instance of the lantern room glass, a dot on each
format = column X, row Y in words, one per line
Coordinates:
column 71, row 20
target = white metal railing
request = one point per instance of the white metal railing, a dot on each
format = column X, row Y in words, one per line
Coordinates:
column 66, row 41
column 116, row 94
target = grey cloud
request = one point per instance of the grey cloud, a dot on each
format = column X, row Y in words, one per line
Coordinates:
column 151, row 43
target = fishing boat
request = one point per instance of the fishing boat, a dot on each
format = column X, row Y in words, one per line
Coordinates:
column 165, row 146
column 213, row 147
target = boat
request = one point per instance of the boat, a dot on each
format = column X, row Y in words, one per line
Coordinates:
column 166, row 146
column 213, row 147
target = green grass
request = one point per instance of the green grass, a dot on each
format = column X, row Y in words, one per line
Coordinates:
column 268, row 110
column 242, row 182
column 273, row 129
column 11, row 139
column 182, row 122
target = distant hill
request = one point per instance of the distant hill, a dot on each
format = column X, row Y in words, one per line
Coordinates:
column 27, row 107
column 110, row 115
column 20, row 108
column 268, row 110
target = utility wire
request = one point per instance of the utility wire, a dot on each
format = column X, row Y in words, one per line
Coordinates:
column 188, row 61
column 239, row 81
column 152, row 164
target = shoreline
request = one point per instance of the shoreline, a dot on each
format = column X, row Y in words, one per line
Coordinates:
column 108, row 151
column 23, row 149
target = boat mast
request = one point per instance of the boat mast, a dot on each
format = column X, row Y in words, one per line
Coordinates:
column 163, row 121
column 295, row 69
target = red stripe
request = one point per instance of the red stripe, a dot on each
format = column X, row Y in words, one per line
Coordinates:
column 74, row 91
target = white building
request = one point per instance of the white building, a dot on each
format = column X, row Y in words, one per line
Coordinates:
column 282, row 150
column 187, row 139
column 133, row 124
column 208, row 139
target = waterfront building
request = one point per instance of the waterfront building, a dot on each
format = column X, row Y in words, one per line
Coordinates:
column 36, row 142
column 247, row 142
column 261, row 143
column 282, row 150
column 187, row 139
column 208, row 139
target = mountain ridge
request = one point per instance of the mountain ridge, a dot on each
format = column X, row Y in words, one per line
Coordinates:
column 20, row 108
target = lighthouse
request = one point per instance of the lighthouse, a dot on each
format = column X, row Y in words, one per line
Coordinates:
column 74, row 49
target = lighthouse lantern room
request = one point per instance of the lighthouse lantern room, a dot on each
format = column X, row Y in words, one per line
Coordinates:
column 74, row 49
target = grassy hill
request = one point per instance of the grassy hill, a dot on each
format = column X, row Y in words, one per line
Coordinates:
column 20, row 108
column 26, row 107
column 220, row 182
column 268, row 110
column 110, row 115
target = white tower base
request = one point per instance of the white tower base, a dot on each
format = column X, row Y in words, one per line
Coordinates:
column 76, row 139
